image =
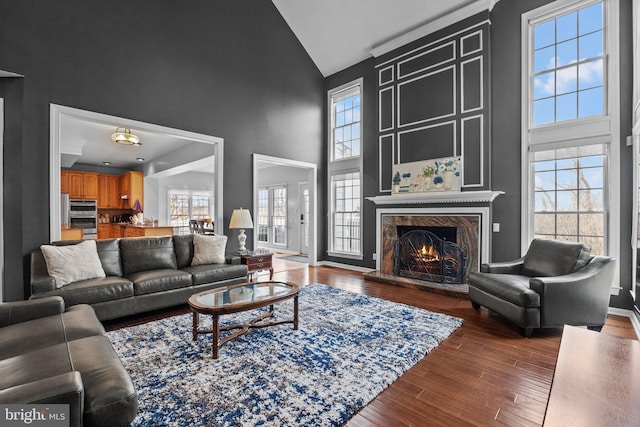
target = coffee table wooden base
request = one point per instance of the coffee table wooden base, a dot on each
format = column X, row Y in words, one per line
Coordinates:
column 257, row 322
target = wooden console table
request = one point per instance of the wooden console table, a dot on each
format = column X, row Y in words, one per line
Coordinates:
column 596, row 381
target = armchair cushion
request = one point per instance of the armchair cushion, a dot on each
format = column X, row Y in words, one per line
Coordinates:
column 510, row 287
column 547, row 258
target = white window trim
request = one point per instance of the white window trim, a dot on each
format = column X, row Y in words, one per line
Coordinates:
column 604, row 128
column 348, row 165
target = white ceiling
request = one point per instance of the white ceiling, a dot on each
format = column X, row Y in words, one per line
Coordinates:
column 340, row 33
column 87, row 142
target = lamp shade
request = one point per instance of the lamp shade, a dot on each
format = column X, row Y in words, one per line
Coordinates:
column 241, row 218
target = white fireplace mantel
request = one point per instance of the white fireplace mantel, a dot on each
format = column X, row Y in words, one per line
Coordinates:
column 449, row 197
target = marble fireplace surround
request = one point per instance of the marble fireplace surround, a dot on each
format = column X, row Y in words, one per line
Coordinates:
column 473, row 225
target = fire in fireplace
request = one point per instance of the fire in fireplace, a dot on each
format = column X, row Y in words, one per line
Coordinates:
column 420, row 253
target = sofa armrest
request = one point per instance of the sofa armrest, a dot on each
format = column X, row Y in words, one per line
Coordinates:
column 233, row 259
column 40, row 280
column 580, row 298
column 507, row 267
column 65, row 388
column 22, row 311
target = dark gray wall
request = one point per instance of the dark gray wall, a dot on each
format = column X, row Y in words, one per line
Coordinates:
column 506, row 133
column 505, row 99
column 229, row 68
column 369, row 180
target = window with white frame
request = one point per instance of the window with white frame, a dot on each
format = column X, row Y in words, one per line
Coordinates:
column 186, row 204
column 345, row 166
column 272, row 215
column 571, row 124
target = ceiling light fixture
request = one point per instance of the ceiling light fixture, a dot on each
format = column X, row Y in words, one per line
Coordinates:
column 140, row 159
column 106, row 163
column 125, row 137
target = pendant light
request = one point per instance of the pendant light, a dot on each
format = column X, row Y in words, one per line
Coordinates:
column 125, row 137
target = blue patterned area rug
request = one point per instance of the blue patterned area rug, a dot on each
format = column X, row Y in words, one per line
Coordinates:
column 349, row 347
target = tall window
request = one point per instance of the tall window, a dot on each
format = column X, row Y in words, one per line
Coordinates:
column 568, row 66
column 272, row 215
column 571, row 137
column 186, row 204
column 345, row 166
column 346, row 215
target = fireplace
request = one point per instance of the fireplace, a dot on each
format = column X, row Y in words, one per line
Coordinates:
column 429, row 253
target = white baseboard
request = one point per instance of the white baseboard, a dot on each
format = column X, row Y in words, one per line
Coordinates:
column 345, row 266
column 633, row 315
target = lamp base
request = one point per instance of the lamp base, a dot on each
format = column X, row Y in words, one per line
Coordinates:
column 242, row 238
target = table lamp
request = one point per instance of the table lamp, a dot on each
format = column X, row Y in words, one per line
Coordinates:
column 241, row 219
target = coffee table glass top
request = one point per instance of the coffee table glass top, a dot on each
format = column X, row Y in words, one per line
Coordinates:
column 246, row 293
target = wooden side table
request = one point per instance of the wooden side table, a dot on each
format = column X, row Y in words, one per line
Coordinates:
column 258, row 262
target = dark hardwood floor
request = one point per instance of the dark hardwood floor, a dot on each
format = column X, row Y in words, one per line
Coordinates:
column 486, row 373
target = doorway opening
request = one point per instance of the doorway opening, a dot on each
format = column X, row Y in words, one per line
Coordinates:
column 300, row 213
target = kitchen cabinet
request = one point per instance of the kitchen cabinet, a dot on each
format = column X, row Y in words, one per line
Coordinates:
column 108, row 191
column 132, row 189
column 82, row 185
column 104, row 231
column 68, row 233
column 64, row 182
column 117, row 231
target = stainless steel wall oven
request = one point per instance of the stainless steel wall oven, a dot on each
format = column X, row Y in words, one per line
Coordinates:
column 84, row 214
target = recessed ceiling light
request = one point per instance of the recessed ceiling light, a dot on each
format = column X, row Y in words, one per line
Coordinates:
column 106, row 163
column 140, row 159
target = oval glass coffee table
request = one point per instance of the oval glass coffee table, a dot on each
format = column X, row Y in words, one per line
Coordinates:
column 238, row 298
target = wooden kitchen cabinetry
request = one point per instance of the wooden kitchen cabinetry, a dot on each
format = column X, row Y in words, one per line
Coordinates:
column 80, row 185
column 108, row 191
column 104, row 231
column 132, row 186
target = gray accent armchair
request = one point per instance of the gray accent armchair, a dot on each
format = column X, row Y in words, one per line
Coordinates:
column 554, row 284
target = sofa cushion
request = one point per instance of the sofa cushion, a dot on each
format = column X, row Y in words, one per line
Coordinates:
column 147, row 282
column 68, row 264
column 547, row 258
column 109, row 253
column 209, row 273
column 208, row 249
column 77, row 322
column 183, row 247
column 147, row 253
column 93, row 291
column 510, row 287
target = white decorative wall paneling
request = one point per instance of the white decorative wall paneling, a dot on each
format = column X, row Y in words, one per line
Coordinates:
column 390, row 70
column 472, row 150
column 477, row 84
column 427, row 59
column 434, row 143
column 478, row 36
column 410, row 89
column 386, row 109
column 433, row 43
column 386, row 160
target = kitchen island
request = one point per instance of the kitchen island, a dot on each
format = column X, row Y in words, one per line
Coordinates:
column 140, row 230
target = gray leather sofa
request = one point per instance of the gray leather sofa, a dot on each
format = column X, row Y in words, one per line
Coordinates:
column 554, row 284
column 52, row 356
column 142, row 274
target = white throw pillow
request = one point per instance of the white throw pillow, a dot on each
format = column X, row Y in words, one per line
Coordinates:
column 208, row 249
column 68, row 264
